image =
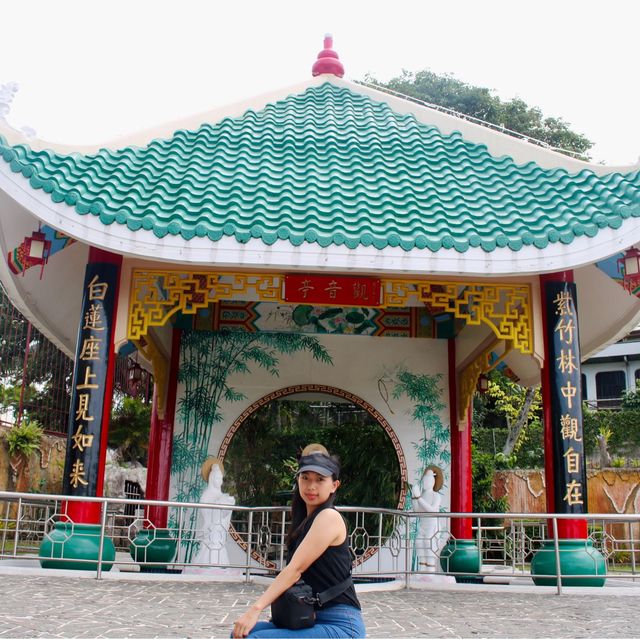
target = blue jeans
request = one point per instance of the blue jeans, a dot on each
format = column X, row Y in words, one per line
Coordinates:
column 340, row 620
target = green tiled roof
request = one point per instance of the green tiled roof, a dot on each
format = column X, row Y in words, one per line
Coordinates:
column 334, row 167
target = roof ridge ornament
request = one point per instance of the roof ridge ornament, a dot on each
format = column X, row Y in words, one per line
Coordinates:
column 328, row 61
column 7, row 93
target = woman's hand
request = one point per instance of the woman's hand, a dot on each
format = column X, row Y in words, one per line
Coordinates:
column 242, row 627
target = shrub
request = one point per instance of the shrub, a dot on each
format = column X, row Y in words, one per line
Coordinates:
column 24, row 439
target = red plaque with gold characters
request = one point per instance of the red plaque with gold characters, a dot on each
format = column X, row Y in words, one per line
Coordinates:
column 332, row 290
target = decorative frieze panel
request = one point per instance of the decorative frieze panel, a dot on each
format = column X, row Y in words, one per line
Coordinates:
column 506, row 308
column 157, row 295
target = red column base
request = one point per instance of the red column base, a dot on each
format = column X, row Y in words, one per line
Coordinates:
column 569, row 529
column 461, row 528
column 81, row 512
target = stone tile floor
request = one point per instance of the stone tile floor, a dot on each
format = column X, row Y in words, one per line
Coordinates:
column 51, row 604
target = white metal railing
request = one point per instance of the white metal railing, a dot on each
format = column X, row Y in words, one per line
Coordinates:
column 382, row 541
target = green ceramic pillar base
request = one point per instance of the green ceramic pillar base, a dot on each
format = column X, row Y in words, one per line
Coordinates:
column 69, row 541
column 461, row 556
column 577, row 557
column 153, row 547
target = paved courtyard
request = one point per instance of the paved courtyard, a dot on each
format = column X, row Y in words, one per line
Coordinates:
column 42, row 605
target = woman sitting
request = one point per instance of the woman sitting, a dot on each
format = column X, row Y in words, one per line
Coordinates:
column 318, row 552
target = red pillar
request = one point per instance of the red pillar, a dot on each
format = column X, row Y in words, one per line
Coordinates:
column 161, row 441
column 88, row 512
column 567, row 528
column 461, row 495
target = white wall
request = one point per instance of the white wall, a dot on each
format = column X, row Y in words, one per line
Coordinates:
column 358, row 365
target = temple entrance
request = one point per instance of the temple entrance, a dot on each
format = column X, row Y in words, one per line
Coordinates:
column 261, row 449
column 260, row 452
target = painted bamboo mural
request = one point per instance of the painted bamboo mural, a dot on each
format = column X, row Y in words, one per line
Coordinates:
column 208, row 360
column 432, row 447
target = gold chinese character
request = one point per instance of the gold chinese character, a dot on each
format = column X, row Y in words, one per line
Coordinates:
column 81, row 440
column 565, row 328
column 574, row 493
column 573, row 460
column 83, row 407
column 360, row 291
column 569, row 392
column 305, row 288
column 563, row 303
column 77, row 474
column 87, row 380
column 569, row 427
column 333, row 289
column 93, row 318
column 90, row 348
column 97, row 290
column 567, row 362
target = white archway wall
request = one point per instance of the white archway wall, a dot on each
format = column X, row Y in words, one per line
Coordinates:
column 358, row 363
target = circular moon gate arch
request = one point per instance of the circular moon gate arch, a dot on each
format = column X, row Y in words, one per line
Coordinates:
column 326, row 390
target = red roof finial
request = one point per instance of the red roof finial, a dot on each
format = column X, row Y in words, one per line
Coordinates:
column 327, row 61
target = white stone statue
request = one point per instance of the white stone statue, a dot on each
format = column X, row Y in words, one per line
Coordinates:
column 213, row 523
column 427, row 499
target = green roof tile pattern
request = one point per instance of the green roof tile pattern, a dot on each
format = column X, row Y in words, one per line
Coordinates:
column 333, row 167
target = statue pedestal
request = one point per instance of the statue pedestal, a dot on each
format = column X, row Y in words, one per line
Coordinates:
column 216, row 574
column 423, row 581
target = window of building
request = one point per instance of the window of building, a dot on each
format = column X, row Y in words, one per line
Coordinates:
column 610, row 386
column 583, row 385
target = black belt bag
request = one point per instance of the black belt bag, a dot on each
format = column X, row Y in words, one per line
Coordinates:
column 295, row 608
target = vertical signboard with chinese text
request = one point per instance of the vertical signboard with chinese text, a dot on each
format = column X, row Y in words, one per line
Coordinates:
column 89, row 379
column 563, row 351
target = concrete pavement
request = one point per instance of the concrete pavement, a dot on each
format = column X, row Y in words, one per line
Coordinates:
column 36, row 603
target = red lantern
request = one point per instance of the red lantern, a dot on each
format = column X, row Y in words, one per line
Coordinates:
column 629, row 267
column 36, row 251
column 134, row 377
column 483, row 383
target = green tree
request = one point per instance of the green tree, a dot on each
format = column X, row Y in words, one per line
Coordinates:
column 514, row 116
column 509, row 415
column 129, row 430
column 483, row 470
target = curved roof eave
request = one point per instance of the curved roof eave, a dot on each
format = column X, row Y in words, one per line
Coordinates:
column 498, row 144
column 230, row 253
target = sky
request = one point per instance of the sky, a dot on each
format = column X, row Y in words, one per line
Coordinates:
column 91, row 71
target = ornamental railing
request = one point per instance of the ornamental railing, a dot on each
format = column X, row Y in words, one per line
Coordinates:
column 384, row 543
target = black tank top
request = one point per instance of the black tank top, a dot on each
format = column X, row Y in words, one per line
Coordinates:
column 330, row 568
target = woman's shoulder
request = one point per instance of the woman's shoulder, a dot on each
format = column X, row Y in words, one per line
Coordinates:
column 329, row 517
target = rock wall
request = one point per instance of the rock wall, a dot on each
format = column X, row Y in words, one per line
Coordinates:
column 43, row 473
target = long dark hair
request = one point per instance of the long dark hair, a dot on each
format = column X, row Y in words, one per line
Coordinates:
column 299, row 515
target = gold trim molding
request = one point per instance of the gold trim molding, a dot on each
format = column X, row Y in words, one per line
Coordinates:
column 157, row 295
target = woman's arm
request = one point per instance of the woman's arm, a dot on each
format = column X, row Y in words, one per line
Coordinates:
column 327, row 529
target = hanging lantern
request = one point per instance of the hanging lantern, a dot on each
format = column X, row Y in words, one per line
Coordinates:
column 135, row 373
column 36, row 251
column 629, row 267
column 483, row 383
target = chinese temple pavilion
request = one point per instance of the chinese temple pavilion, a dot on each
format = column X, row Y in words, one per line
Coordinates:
column 442, row 247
